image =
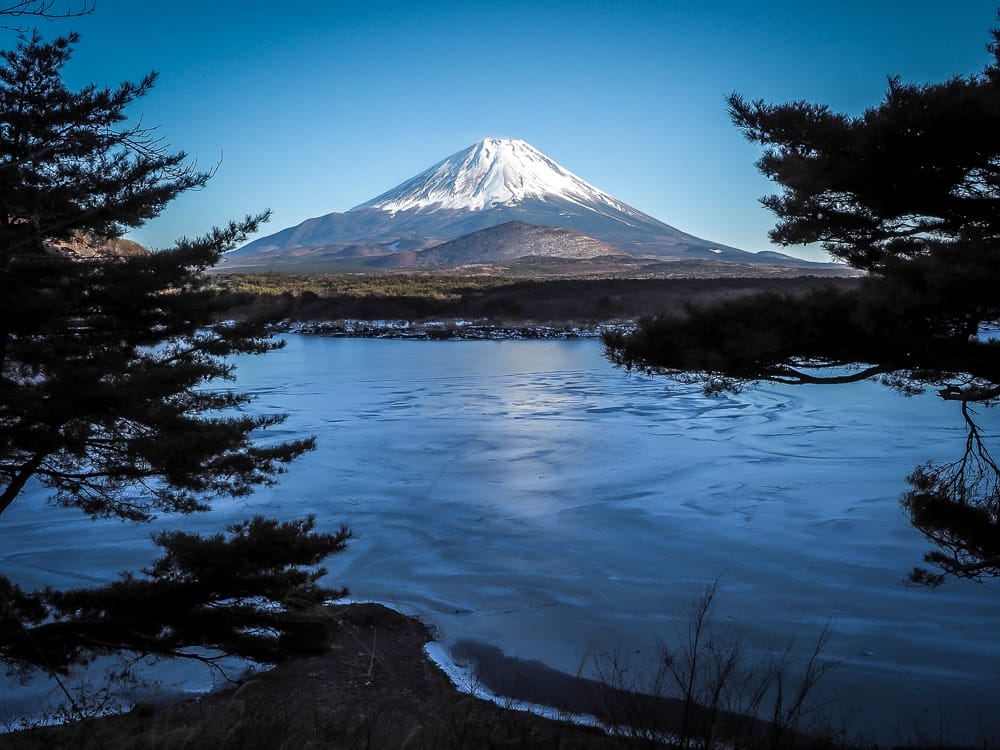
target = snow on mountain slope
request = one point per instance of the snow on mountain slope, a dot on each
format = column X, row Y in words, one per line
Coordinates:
column 491, row 173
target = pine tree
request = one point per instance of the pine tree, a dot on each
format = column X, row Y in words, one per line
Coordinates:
column 908, row 192
column 101, row 358
column 254, row 592
column 109, row 371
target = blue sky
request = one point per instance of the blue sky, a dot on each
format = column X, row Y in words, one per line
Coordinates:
column 313, row 107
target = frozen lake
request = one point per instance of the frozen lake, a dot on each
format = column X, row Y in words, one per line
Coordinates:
column 526, row 495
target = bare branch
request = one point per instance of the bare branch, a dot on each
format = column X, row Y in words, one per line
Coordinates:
column 46, row 9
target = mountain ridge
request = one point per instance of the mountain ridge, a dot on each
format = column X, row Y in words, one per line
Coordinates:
column 506, row 242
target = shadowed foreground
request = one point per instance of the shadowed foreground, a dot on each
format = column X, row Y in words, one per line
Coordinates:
column 374, row 688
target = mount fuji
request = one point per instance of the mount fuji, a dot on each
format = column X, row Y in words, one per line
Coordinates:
column 490, row 183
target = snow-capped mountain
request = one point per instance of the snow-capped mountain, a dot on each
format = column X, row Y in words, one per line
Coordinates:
column 494, row 172
column 489, row 183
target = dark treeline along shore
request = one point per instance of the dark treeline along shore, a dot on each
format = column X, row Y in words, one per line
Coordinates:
column 498, row 301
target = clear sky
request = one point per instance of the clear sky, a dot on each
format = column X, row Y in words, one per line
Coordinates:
column 311, row 107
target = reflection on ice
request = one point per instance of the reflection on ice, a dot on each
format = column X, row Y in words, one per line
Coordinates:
column 527, row 495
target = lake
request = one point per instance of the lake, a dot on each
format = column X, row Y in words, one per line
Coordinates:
column 528, row 496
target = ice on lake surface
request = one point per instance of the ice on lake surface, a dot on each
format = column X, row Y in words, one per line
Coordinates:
column 527, row 495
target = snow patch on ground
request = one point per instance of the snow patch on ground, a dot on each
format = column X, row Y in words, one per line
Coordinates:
column 465, row 680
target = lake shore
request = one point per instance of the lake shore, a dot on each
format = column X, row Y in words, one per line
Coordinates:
column 441, row 330
column 377, row 686
column 400, row 305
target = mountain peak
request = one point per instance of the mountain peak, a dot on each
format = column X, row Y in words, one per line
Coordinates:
column 493, row 172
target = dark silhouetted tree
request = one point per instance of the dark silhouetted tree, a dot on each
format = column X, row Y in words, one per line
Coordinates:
column 101, row 358
column 110, row 365
column 908, row 192
column 955, row 504
column 254, row 593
